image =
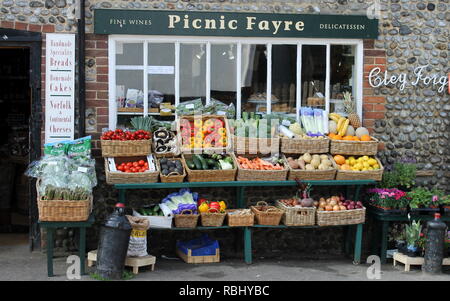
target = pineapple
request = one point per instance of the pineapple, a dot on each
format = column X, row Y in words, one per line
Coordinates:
column 350, row 109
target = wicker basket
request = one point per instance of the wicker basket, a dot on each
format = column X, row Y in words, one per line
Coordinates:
column 117, row 148
column 212, row 218
column 310, row 175
column 245, row 145
column 240, row 220
column 344, row 217
column 172, row 177
column 219, row 150
column 344, row 147
column 210, row 175
column 186, row 220
column 296, row 216
column 303, row 146
column 128, row 177
column 271, row 216
column 260, row 175
column 63, row 210
column 375, row 175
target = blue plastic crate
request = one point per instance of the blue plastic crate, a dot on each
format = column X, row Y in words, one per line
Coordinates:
column 202, row 246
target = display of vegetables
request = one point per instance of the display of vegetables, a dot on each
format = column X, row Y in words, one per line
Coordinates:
column 337, row 203
column 212, row 161
column 164, row 141
column 142, row 123
column 133, row 167
column 199, row 133
column 314, row 121
column 151, row 211
column 122, row 135
column 212, row 206
column 311, row 162
column 272, row 163
column 52, row 193
column 182, row 200
column 171, row 167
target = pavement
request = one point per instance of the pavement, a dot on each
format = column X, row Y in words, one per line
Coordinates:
column 17, row 263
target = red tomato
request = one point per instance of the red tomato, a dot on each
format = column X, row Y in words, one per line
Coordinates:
column 129, row 164
column 141, row 162
column 135, row 164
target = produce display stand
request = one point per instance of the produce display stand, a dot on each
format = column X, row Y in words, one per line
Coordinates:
column 381, row 239
column 240, row 199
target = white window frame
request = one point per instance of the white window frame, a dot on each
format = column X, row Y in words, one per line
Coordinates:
column 238, row 41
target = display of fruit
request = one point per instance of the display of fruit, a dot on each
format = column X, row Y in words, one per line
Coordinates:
column 133, row 167
column 350, row 109
column 337, row 203
column 122, row 135
column 171, row 166
column 340, row 128
column 361, row 163
column 311, row 162
column 200, row 133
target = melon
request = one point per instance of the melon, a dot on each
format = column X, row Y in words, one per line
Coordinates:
column 332, row 127
column 350, row 131
column 361, row 131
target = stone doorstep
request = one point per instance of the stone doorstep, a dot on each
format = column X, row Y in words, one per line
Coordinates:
column 409, row 261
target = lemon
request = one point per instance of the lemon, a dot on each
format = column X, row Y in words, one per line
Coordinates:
column 366, row 164
column 365, row 158
column 347, row 162
column 372, row 161
column 370, row 168
column 352, row 161
column 351, row 158
column 376, row 166
column 364, row 169
column 355, row 169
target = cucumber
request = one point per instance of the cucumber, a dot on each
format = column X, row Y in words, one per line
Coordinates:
column 211, row 162
column 197, row 162
column 190, row 163
column 202, row 161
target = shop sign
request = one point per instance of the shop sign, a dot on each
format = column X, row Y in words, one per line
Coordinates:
column 378, row 79
column 59, row 87
column 180, row 23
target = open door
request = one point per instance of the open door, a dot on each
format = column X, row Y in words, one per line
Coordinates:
column 21, row 106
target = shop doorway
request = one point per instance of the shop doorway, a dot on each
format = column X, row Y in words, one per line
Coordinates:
column 20, row 128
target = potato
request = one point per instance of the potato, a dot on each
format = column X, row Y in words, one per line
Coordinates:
column 323, row 157
column 310, row 167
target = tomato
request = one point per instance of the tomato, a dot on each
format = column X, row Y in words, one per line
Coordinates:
column 214, row 205
column 135, row 164
column 142, row 170
column 141, row 162
column 129, row 164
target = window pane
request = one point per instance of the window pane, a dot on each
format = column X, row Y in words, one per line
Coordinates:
column 129, row 90
column 192, row 72
column 254, row 78
column 343, row 75
column 129, row 53
column 314, row 66
column 223, row 73
column 284, row 77
column 161, row 75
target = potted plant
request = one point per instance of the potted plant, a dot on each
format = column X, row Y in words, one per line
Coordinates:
column 392, row 200
column 445, row 203
column 401, row 175
column 412, row 247
column 423, row 199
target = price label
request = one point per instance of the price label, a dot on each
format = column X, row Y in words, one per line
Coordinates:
column 82, row 169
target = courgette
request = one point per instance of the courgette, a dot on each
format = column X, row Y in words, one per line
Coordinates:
column 197, row 162
column 190, row 163
column 211, row 162
column 202, row 161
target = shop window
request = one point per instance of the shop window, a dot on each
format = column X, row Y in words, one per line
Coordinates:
column 254, row 78
column 129, row 94
column 284, row 77
column 193, row 72
column 314, row 64
column 223, row 73
column 129, row 54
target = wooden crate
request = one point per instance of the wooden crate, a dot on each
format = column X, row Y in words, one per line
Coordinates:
column 134, row 262
column 409, row 261
column 188, row 258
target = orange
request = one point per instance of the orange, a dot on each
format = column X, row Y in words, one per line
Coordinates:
column 331, row 135
column 337, row 137
column 339, row 159
column 365, row 138
column 348, row 138
column 355, row 138
column 346, row 167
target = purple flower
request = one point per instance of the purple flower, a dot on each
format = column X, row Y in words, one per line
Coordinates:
column 435, row 198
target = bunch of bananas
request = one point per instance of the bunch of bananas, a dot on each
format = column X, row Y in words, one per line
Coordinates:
column 342, row 123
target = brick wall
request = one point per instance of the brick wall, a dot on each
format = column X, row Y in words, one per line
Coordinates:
column 373, row 102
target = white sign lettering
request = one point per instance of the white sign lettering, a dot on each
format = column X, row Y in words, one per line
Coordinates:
column 59, row 87
column 377, row 79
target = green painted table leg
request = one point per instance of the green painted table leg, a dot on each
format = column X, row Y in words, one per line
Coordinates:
column 82, row 250
column 50, row 232
column 384, row 240
column 248, row 245
column 122, row 198
column 358, row 244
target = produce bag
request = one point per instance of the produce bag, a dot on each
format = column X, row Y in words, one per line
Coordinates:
column 179, row 201
column 191, row 107
column 137, row 247
column 216, row 107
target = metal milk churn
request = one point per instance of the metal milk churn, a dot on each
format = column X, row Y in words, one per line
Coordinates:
column 113, row 244
column 434, row 246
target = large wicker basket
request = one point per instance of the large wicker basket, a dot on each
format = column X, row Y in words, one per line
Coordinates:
column 210, row 175
column 183, row 220
column 117, row 148
column 246, row 145
column 212, row 218
column 240, row 220
column 344, row 217
column 344, row 147
column 302, row 174
column 267, row 215
column 303, row 146
column 219, row 150
column 297, row 216
column 172, row 177
column 375, row 175
column 261, row 175
column 130, row 178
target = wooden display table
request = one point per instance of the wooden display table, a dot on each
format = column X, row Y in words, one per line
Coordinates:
column 134, row 262
column 409, row 261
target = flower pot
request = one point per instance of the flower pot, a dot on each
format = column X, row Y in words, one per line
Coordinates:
column 446, row 210
column 425, row 210
column 410, row 251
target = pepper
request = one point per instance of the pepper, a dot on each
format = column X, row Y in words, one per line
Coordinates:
column 201, row 201
column 223, row 206
column 203, row 207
